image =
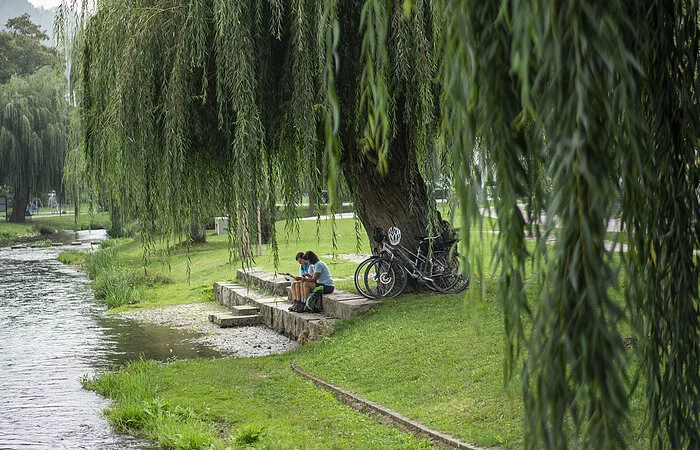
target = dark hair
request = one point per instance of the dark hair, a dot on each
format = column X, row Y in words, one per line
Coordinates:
column 299, row 255
column 311, row 257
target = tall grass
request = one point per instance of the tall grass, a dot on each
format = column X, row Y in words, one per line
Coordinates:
column 118, row 286
column 115, row 284
column 138, row 410
column 73, row 257
column 98, row 262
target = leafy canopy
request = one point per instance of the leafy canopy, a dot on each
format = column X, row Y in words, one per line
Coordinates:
column 21, row 50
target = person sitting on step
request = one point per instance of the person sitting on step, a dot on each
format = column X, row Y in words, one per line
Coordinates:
column 321, row 275
column 300, row 290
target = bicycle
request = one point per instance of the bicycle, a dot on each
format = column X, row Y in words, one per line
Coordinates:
column 435, row 265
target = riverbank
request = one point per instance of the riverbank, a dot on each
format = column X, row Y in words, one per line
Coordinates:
column 45, row 226
column 193, row 317
column 436, row 359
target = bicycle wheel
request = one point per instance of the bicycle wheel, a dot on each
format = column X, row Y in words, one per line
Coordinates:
column 448, row 276
column 385, row 278
column 359, row 277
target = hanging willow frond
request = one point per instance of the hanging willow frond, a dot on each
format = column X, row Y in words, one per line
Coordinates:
column 373, row 120
column 661, row 212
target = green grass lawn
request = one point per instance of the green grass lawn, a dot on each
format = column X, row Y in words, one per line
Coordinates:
column 434, row 358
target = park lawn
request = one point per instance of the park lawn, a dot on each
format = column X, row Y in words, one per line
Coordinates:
column 211, row 262
column 434, row 358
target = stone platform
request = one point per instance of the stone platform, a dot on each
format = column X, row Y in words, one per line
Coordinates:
column 269, row 294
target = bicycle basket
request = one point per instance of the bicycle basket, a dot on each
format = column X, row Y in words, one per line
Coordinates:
column 394, row 236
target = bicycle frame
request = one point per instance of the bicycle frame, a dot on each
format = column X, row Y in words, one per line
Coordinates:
column 421, row 267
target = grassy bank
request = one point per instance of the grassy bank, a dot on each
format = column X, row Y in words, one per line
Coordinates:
column 39, row 226
column 433, row 358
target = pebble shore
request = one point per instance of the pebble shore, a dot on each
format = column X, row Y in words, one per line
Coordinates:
column 194, row 317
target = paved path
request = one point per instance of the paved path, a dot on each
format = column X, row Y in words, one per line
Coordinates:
column 614, row 226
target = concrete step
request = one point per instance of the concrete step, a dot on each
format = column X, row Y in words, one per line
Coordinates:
column 342, row 304
column 273, row 305
column 273, row 309
column 338, row 305
column 245, row 310
column 238, row 295
column 229, row 320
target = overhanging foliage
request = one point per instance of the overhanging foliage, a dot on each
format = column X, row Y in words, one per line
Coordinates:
column 191, row 106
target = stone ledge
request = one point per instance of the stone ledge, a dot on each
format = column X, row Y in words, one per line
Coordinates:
column 270, row 282
column 245, row 310
column 338, row 305
column 274, row 311
column 230, row 320
column 274, row 306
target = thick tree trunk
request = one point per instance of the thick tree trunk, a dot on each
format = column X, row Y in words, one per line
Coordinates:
column 116, row 228
column 19, row 205
column 198, row 232
column 400, row 197
column 397, row 199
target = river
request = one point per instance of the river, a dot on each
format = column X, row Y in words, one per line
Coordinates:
column 52, row 333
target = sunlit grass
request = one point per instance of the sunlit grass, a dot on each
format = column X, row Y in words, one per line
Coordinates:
column 434, row 358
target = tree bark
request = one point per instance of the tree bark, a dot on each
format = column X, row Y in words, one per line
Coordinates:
column 397, row 199
column 19, row 205
column 198, row 232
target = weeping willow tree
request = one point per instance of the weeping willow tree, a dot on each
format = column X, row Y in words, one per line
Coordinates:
column 33, row 126
column 190, row 106
column 194, row 108
column 76, row 182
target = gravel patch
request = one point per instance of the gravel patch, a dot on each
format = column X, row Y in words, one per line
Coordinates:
column 348, row 257
column 194, row 317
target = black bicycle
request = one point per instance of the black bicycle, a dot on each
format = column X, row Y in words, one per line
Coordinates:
column 436, row 264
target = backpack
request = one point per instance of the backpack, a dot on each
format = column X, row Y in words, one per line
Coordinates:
column 314, row 302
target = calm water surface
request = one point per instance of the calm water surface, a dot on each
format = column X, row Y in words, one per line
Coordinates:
column 52, row 333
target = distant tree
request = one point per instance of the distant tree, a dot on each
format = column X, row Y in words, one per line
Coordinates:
column 75, row 180
column 24, row 27
column 42, row 16
column 33, row 127
column 21, row 50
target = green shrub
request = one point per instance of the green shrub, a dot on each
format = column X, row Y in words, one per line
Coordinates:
column 154, row 279
column 73, row 257
column 206, row 293
column 108, row 243
column 42, row 243
column 44, row 230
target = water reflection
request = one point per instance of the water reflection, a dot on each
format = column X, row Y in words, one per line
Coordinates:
column 128, row 340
